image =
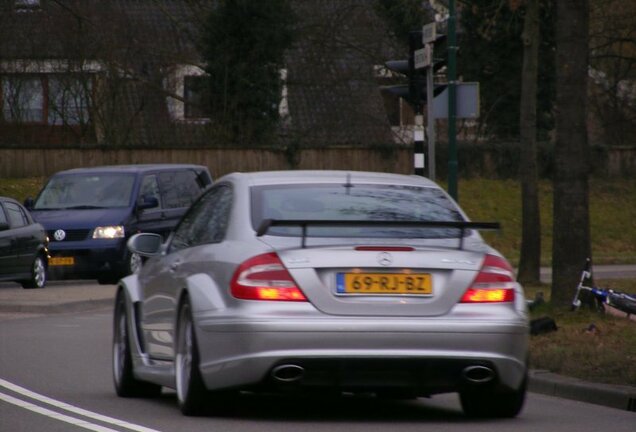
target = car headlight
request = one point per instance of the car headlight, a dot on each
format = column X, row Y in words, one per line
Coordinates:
column 109, row 232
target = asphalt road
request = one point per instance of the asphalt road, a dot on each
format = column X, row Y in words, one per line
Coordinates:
column 55, row 375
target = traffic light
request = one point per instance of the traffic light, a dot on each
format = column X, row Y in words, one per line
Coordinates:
column 415, row 69
column 410, row 92
column 420, row 69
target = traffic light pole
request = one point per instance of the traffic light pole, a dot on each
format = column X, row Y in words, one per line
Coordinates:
column 421, row 45
column 431, row 123
column 452, row 102
column 419, row 156
column 418, row 144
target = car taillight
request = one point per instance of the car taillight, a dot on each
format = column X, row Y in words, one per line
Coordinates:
column 264, row 277
column 493, row 283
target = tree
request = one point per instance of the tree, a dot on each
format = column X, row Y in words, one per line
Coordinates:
column 244, row 45
column 571, row 239
column 501, row 49
column 613, row 71
column 403, row 16
column 492, row 54
column 530, row 259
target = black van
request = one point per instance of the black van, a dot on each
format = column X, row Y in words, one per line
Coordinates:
column 89, row 214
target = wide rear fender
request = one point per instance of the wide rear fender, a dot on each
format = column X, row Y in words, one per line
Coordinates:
column 130, row 285
column 204, row 294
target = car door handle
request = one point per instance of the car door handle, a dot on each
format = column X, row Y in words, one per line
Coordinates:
column 174, row 266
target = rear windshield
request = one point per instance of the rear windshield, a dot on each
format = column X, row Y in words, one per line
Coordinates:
column 358, row 202
column 86, row 192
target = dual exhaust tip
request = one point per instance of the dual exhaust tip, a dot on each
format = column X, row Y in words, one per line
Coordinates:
column 478, row 374
column 289, row 373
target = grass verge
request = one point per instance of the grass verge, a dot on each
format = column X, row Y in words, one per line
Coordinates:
column 588, row 344
column 612, row 215
column 20, row 189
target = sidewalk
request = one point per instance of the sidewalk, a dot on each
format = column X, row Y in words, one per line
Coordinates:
column 68, row 297
column 617, row 271
column 57, row 297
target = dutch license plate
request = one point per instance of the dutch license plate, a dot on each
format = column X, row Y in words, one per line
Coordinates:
column 62, row 261
column 384, row 283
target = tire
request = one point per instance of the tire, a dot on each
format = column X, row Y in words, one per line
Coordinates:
column 134, row 263
column 485, row 402
column 38, row 274
column 126, row 385
column 191, row 392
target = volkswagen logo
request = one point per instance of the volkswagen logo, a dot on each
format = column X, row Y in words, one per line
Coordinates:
column 59, row 235
column 385, row 259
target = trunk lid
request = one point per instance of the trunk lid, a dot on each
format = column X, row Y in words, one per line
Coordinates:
column 382, row 281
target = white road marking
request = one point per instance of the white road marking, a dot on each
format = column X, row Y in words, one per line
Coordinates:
column 54, row 415
column 64, row 406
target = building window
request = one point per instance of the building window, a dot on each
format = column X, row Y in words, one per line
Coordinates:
column 68, row 101
column 23, row 100
column 195, row 95
column 45, row 99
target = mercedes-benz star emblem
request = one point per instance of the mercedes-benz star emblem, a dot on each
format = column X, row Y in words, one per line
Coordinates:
column 385, row 259
column 59, row 235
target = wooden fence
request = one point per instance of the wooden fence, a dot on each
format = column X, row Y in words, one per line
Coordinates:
column 32, row 162
column 19, row 163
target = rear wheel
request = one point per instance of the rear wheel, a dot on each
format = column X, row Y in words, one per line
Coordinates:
column 126, row 385
column 38, row 274
column 191, row 392
column 190, row 388
column 486, row 402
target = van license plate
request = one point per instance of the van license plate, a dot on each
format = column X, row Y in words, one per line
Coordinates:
column 62, row 261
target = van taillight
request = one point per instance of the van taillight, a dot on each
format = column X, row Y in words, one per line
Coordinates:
column 493, row 284
column 264, row 277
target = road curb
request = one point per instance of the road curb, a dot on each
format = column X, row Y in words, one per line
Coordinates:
column 614, row 396
column 45, row 308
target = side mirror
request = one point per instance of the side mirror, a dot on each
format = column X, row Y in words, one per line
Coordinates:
column 145, row 244
column 28, row 203
column 4, row 226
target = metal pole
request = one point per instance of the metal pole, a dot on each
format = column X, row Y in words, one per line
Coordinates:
column 452, row 101
column 431, row 122
column 418, row 144
column 415, row 86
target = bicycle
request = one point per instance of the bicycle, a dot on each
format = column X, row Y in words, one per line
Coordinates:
column 610, row 301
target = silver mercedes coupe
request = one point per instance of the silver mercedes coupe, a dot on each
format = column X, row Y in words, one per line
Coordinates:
column 322, row 281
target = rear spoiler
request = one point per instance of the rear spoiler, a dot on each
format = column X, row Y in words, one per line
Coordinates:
column 266, row 224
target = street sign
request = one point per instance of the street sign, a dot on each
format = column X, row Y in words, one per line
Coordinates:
column 429, row 33
column 422, row 57
column 467, row 101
